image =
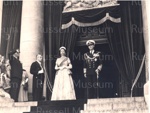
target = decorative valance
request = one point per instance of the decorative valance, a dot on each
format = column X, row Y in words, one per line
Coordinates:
column 101, row 21
column 91, row 17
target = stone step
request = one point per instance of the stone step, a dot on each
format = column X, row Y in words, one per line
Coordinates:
column 116, row 100
column 92, row 107
column 23, row 104
column 6, row 104
column 108, row 105
column 35, row 103
column 117, row 111
column 14, row 109
column 130, row 105
column 115, row 106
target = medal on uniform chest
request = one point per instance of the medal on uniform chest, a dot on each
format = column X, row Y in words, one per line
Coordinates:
column 96, row 54
column 95, row 59
column 88, row 60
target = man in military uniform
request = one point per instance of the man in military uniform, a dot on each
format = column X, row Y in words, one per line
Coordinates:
column 92, row 67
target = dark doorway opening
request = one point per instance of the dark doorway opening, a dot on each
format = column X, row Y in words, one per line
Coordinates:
column 109, row 75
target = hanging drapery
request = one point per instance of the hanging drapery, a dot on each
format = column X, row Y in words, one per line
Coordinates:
column 92, row 17
column 52, row 31
column 72, row 22
column 68, row 39
column 132, row 42
column 129, row 49
column 127, row 46
column 11, row 23
column 125, row 41
column 101, row 21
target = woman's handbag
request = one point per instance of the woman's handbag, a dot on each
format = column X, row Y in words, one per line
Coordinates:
column 25, row 84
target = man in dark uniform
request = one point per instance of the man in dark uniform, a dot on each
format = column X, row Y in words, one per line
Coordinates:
column 15, row 74
column 92, row 67
column 38, row 78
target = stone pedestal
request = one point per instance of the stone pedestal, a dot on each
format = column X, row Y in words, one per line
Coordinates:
column 31, row 41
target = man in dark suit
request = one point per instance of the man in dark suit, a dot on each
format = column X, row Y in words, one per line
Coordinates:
column 38, row 78
column 92, row 67
column 15, row 74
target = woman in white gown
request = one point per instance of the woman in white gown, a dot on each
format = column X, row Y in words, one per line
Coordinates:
column 4, row 96
column 23, row 92
column 63, row 86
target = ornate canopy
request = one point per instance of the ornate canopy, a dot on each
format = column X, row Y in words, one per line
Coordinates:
column 91, row 17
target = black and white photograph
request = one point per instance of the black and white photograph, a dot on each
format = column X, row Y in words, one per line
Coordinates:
column 74, row 56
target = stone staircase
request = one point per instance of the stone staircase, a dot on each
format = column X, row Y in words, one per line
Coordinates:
column 16, row 107
column 116, row 105
column 60, row 106
column 107, row 105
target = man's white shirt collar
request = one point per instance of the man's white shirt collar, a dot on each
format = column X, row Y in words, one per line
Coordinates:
column 39, row 62
column 92, row 51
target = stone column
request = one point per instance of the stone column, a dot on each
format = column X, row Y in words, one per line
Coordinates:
column 146, row 30
column 1, row 10
column 31, row 41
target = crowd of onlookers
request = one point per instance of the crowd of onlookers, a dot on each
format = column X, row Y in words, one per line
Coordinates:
column 13, row 78
column 5, row 73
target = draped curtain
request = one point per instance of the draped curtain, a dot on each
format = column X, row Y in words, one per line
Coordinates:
column 68, row 39
column 132, row 44
column 52, row 34
column 11, row 24
column 92, row 17
column 127, row 45
column 125, row 39
column 71, row 28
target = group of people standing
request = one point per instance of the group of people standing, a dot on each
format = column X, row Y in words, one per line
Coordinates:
column 13, row 78
column 4, row 78
column 5, row 72
column 63, row 88
column 63, row 85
